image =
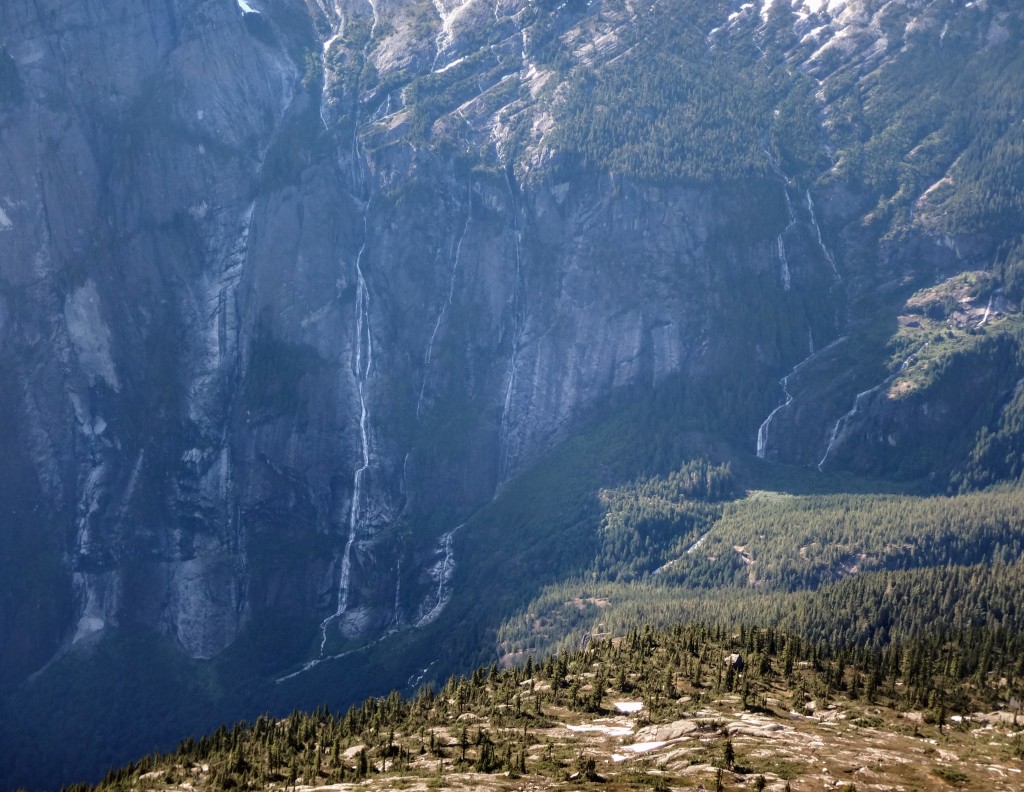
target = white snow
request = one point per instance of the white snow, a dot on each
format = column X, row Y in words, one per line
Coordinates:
column 628, row 706
column 600, row 728
column 816, row 6
column 636, row 749
column 644, row 747
column 245, row 7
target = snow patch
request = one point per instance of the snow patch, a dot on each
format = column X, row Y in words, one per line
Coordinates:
column 644, row 747
column 628, row 706
column 245, row 7
column 600, row 728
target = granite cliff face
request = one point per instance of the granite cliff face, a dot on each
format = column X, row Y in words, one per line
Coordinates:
column 289, row 289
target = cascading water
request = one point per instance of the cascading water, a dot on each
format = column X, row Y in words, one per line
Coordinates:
column 780, row 243
column 447, row 304
column 845, row 418
column 821, row 242
column 362, row 354
column 519, row 299
column 786, row 281
column 988, row 312
column 763, row 429
column 363, row 366
column 443, row 570
column 337, row 23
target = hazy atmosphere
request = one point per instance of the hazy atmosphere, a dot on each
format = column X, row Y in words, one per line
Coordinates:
column 511, row 394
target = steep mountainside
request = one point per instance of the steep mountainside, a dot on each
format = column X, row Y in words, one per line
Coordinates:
column 291, row 291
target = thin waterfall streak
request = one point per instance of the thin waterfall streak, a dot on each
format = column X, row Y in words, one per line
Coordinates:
column 360, row 370
column 988, row 310
column 448, row 302
column 398, row 592
column 762, row 430
column 784, row 262
column 821, row 242
column 518, row 297
column 364, row 339
column 446, row 565
column 444, row 575
column 845, row 418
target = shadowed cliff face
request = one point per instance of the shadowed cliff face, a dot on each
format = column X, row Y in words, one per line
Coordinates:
column 133, row 159
column 287, row 290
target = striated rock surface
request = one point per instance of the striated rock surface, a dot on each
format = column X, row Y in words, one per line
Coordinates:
column 288, row 289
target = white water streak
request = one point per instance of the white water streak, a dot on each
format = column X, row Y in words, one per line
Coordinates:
column 361, row 370
column 821, row 242
column 988, row 310
column 516, row 335
column 361, row 375
column 445, row 570
column 844, row 420
column 780, row 244
column 398, row 593
column 447, row 304
column 415, row 679
column 786, row 280
column 762, row 431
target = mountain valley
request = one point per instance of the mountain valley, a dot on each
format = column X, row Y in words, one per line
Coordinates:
column 352, row 345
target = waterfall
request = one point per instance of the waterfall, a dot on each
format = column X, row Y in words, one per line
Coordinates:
column 362, row 373
column 337, row 23
column 844, row 420
column 784, row 262
column 361, row 366
column 398, row 594
column 443, row 570
column 447, row 303
column 780, row 244
column 519, row 299
column 762, row 431
column 988, row 310
column 821, row 242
